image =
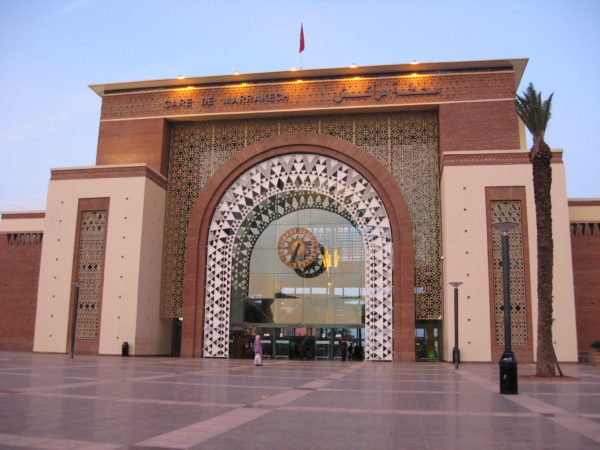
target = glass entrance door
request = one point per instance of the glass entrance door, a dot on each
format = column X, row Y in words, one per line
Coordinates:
column 427, row 340
column 307, row 344
column 340, row 344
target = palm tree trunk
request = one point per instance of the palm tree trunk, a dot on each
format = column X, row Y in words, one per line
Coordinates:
column 542, row 182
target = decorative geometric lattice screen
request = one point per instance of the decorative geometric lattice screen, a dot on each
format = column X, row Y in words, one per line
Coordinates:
column 509, row 211
column 288, row 174
column 89, row 272
column 406, row 144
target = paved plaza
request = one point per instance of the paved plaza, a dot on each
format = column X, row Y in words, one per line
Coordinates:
column 54, row 402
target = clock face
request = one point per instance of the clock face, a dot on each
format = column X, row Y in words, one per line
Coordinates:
column 297, row 248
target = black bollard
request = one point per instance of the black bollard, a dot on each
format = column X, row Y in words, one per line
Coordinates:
column 508, row 374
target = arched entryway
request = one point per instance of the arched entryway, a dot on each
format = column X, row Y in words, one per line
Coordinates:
column 295, row 162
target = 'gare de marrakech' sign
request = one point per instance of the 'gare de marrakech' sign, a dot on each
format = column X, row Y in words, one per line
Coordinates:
column 228, row 100
column 281, row 97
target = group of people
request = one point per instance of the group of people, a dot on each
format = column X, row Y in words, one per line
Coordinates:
column 352, row 352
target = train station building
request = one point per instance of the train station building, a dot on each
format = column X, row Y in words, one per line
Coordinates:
column 311, row 207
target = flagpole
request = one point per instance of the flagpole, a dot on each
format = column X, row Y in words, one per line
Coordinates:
column 301, row 42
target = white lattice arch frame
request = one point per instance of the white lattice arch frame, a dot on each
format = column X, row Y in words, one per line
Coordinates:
column 307, row 172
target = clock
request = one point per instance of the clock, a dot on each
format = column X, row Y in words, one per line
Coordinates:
column 297, row 248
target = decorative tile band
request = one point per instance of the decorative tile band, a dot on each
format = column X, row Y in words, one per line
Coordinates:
column 289, row 95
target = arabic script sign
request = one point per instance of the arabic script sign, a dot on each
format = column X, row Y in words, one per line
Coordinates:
column 372, row 92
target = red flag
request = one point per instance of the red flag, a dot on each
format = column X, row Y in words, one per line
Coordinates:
column 301, row 38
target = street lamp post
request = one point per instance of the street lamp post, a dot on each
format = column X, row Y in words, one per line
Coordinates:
column 508, row 362
column 456, row 351
column 74, row 320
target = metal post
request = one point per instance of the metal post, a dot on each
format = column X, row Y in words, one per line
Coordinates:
column 74, row 321
column 508, row 362
column 506, row 294
column 456, row 351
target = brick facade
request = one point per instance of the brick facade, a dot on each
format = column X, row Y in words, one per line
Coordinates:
column 133, row 142
column 20, row 255
column 585, row 247
column 476, row 109
column 478, row 126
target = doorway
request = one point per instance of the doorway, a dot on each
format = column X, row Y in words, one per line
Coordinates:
column 427, row 340
column 301, row 343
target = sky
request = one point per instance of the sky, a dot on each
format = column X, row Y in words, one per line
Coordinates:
column 51, row 50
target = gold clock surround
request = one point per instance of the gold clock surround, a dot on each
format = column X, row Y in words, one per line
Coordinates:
column 297, row 248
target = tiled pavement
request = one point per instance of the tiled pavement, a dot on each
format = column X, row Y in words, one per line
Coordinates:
column 54, row 402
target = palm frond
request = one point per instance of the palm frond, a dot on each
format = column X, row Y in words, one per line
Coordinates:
column 533, row 111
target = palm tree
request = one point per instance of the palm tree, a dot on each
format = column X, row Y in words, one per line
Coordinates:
column 535, row 114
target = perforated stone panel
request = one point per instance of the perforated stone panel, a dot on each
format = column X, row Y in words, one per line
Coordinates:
column 89, row 272
column 305, row 172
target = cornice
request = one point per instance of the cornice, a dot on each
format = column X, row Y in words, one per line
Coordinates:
column 87, row 173
column 23, row 215
column 584, row 202
column 516, row 64
column 490, row 159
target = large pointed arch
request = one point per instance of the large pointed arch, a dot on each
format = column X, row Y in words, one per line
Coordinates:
column 287, row 177
column 195, row 279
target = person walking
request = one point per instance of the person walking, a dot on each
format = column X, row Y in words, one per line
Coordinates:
column 359, row 352
column 257, row 351
column 304, row 348
column 344, row 349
